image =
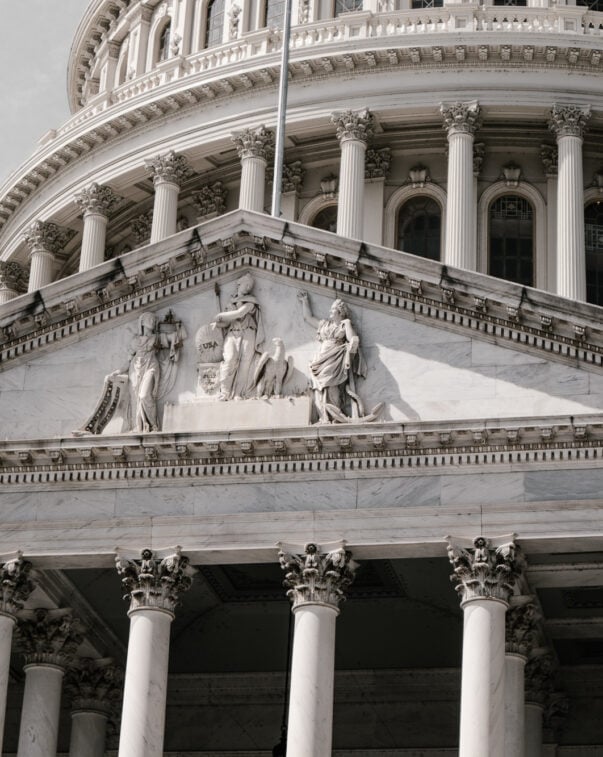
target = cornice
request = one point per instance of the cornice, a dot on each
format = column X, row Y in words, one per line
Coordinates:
column 109, row 118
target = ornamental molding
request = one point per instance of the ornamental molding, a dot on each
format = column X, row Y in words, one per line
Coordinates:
column 210, row 200
column 354, row 125
column 16, row 583
column 98, row 199
column 569, row 120
column 549, row 155
column 140, row 226
column 317, row 575
column 94, row 685
column 48, row 637
column 483, row 568
column 154, row 579
column 169, row 168
column 293, row 176
column 521, row 623
column 13, row 276
column 461, row 117
column 254, row 143
column 45, row 236
column 377, row 163
column 79, row 138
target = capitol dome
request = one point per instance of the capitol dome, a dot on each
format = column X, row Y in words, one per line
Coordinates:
column 250, row 408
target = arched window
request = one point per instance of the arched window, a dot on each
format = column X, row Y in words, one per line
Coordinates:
column 275, row 12
column 326, row 219
column 420, row 227
column 164, row 42
column 511, row 224
column 593, row 228
column 214, row 25
column 347, row 6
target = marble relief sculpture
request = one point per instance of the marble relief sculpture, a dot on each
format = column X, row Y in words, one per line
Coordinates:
column 337, row 366
column 130, row 394
column 272, row 371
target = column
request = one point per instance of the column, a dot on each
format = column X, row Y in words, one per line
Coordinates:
column 169, row 171
column 479, row 152
column 549, row 155
column 316, row 581
column 568, row 123
column 153, row 583
column 13, row 280
column 96, row 201
column 49, row 639
column 44, row 239
column 461, row 120
column 376, row 169
column 485, row 572
column 16, row 588
column 354, row 129
column 520, row 636
column 94, row 687
column 254, row 147
column 538, row 688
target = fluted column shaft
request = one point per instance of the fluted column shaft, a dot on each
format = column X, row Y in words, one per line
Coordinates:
column 514, row 705
column 88, row 734
column 169, row 171
column 153, row 583
column 354, row 129
column 39, row 730
column 96, row 201
column 41, row 270
column 533, row 729
column 461, row 121
column 44, row 240
column 316, row 583
column 7, row 625
column 568, row 122
column 484, row 570
column 254, row 147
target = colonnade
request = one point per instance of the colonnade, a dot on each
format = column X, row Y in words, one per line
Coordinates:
column 501, row 655
column 462, row 120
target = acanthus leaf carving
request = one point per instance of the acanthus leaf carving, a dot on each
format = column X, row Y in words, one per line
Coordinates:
column 47, row 236
column 358, row 125
column 461, row 117
column 169, row 167
column 210, row 200
column 12, row 276
column 569, row 120
column 94, row 685
column 377, row 163
column 97, row 198
column 48, row 637
column 483, row 570
column 254, row 143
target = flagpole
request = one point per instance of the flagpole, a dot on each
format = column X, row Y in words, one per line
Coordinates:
column 279, row 149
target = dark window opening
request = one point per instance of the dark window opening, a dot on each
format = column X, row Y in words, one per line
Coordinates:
column 326, row 219
column 512, row 240
column 347, row 6
column 593, row 231
column 420, row 227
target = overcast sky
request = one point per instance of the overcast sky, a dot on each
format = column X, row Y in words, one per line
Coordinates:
column 36, row 40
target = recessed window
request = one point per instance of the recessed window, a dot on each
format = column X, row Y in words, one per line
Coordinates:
column 326, row 219
column 214, row 26
column 275, row 13
column 512, row 240
column 164, row 43
column 347, row 6
column 420, row 227
column 522, row 3
column 593, row 229
column 419, row 4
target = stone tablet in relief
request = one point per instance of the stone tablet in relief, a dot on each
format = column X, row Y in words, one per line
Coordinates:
column 129, row 398
column 337, row 366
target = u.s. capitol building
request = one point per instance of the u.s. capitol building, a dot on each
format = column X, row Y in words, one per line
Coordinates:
column 236, row 421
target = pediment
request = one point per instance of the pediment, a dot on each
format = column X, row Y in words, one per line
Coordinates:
column 443, row 349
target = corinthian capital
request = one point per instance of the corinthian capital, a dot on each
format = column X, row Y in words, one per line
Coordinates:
column 97, row 198
column 12, row 276
column 47, row 236
column 461, row 118
column 94, row 685
column 170, row 168
column 211, row 199
column 521, row 629
column 568, row 120
column 154, row 580
column 254, row 143
column 48, row 637
column 359, row 125
column 316, row 577
column 483, row 568
column 16, row 583
column 539, row 676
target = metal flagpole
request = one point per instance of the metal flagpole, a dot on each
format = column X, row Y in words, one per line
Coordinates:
column 279, row 150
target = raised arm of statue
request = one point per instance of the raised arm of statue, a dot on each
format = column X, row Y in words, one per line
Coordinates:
column 308, row 317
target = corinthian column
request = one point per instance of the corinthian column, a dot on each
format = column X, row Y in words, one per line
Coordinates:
column 485, row 572
column 316, row 582
column 44, row 239
column 94, row 686
column 153, row 584
column 254, row 147
column 169, row 172
column 49, row 639
column 520, row 633
column 12, row 280
column 461, row 121
column 16, row 588
column 353, row 132
column 568, row 123
column 97, row 202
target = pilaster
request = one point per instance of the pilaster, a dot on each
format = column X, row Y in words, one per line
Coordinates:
column 377, row 165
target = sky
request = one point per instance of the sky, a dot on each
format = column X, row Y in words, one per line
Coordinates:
column 36, row 40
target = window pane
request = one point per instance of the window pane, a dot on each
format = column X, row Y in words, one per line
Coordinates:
column 214, row 29
column 512, row 240
column 326, row 219
column 346, row 6
column 419, row 4
column 275, row 13
column 419, row 227
column 593, row 228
